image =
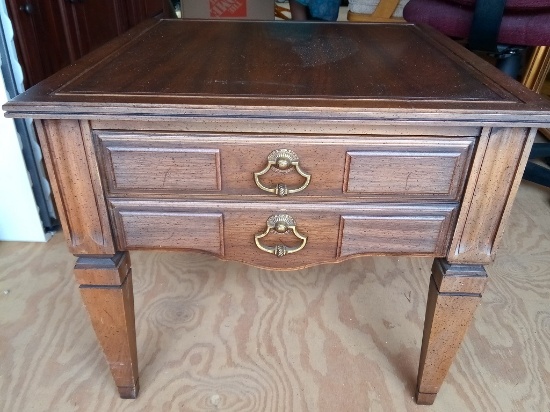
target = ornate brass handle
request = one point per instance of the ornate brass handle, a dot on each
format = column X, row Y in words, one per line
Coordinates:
column 282, row 159
column 280, row 224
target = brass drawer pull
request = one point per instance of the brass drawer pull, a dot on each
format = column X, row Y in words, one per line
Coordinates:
column 282, row 159
column 280, row 224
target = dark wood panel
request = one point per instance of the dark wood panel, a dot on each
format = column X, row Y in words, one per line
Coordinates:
column 170, row 168
column 196, row 226
column 319, row 127
column 76, row 186
column 170, row 230
column 42, row 44
column 282, row 70
column 394, row 234
column 139, row 10
column 296, row 57
column 154, row 8
column 51, row 34
column 496, row 174
column 425, row 169
column 186, row 163
column 93, row 23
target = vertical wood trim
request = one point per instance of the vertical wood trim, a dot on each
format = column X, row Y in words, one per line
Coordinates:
column 69, row 30
column 52, row 177
column 119, row 14
column 490, row 193
column 73, row 171
column 526, row 151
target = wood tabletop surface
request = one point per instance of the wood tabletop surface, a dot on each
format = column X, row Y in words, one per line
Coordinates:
column 384, row 70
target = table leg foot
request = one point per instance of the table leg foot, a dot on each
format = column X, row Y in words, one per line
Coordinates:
column 455, row 291
column 129, row 392
column 107, row 293
column 425, row 398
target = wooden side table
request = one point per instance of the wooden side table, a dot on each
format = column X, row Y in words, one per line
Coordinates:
column 283, row 145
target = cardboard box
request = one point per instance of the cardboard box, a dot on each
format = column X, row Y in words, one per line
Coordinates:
column 228, row 9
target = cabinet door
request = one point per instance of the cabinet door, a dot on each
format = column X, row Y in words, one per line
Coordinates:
column 139, row 10
column 153, row 7
column 40, row 38
column 92, row 23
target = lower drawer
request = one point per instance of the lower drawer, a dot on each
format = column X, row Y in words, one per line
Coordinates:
column 283, row 236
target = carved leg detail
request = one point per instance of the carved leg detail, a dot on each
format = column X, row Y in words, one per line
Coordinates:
column 455, row 291
column 106, row 290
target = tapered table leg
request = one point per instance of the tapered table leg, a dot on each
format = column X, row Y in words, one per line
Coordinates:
column 455, row 291
column 106, row 289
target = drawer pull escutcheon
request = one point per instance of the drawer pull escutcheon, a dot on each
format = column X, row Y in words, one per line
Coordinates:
column 280, row 224
column 282, row 159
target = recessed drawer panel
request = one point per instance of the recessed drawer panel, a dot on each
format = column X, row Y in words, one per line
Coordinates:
column 429, row 170
column 151, row 164
column 150, row 228
column 169, row 167
column 281, row 235
column 403, row 234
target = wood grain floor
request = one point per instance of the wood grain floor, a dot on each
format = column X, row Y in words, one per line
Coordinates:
column 225, row 336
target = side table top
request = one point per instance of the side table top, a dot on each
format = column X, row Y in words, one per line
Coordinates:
column 176, row 67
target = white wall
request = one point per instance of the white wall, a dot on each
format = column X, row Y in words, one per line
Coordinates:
column 19, row 219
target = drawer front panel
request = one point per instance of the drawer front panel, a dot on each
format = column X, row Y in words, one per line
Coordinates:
column 406, row 234
column 430, row 171
column 333, row 232
column 170, row 230
column 140, row 164
column 169, row 167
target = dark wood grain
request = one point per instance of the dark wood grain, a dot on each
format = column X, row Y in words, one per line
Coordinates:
column 304, row 126
column 342, row 337
column 94, row 23
column 421, row 230
column 40, row 56
column 51, row 34
column 397, row 168
column 298, row 56
column 411, row 143
column 369, row 166
column 110, row 306
column 310, row 67
column 167, row 167
column 395, row 234
column 76, row 185
column 449, row 311
column 139, row 10
column 98, row 270
column 170, row 230
column 496, row 174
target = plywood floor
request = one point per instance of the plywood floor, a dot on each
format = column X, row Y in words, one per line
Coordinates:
column 224, row 336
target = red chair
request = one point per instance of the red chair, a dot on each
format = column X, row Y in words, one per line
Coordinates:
column 503, row 28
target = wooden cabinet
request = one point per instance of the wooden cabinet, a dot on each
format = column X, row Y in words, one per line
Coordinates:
column 284, row 145
column 138, row 10
column 51, row 34
column 40, row 37
column 91, row 24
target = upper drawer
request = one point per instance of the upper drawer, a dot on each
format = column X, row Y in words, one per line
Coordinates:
column 400, row 168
